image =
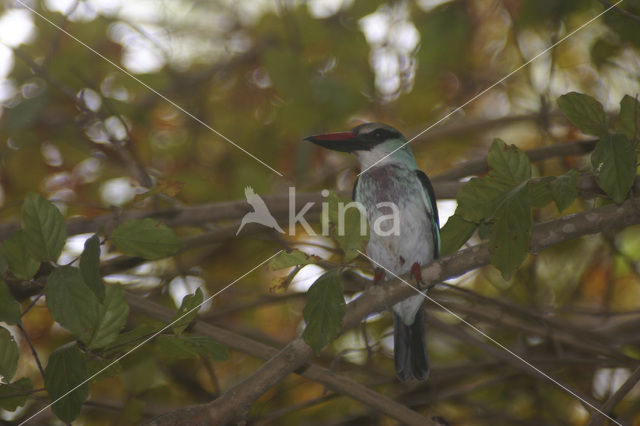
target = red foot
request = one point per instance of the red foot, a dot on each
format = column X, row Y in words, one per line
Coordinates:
column 417, row 273
column 378, row 276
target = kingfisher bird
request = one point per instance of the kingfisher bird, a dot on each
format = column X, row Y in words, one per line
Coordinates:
column 390, row 177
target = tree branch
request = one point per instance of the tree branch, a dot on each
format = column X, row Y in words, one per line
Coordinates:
column 123, row 147
column 328, row 378
column 445, row 185
column 234, row 403
column 229, row 210
column 611, row 403
column 479, row 166
column 495, row 351
column 608, row 4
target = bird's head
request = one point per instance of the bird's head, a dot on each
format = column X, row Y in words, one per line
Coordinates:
column 372, row 143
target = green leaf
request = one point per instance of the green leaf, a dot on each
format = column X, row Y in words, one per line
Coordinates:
column 455, row 233
column 480, row 197
column 477, row 200
column 628, row 122
column 112, row 316
column 172, row 348
column 484, row 230
column 584, row 112
column 190, row 306
column 14, row 251
column 615, row 159
column 146, row 238
column 286, row 259
column 9, row 355
column 66, row 369
column 347, row 226
column 324, row 310
column 508, row 164
column 10, row 403
column 9, row 307
column 90, row 266
column 44, row 228
column 131, row 338
column 511, row 232
column 540, row 192
column 72, row 303
column 564, row 189
column 206, row 346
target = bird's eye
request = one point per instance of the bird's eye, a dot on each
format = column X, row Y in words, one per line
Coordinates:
column 379, row 134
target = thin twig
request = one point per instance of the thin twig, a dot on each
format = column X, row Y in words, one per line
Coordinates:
column 33, row 349
column 611, row 403
column 31, row 305
column 620, row 10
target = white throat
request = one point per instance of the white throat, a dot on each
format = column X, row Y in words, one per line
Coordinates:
column 377, row 157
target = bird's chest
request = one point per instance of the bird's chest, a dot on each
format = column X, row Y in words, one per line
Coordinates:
column 399, row 229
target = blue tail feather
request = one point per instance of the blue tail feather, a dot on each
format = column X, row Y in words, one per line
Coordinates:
column 410, row 352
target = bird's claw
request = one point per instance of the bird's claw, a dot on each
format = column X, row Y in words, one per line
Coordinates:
column 417, row 274
column 378, row 275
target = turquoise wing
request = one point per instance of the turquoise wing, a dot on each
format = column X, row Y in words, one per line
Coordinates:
column 432, row 208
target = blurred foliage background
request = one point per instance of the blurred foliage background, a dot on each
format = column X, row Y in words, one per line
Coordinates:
column 265, row 74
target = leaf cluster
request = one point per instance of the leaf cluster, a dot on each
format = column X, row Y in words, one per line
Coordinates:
column 93, row 313
column 500, row 204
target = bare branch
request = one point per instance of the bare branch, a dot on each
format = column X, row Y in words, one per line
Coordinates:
column 330, row 379
column 611, row 403
column 479, row 166
column 204, row 214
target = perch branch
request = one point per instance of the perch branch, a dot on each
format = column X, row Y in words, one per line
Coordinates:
column 235, row 402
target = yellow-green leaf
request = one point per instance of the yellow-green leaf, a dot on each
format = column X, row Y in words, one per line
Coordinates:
column 188, row 311
column 455, row 233
column 146, row 238
column 287, row 259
